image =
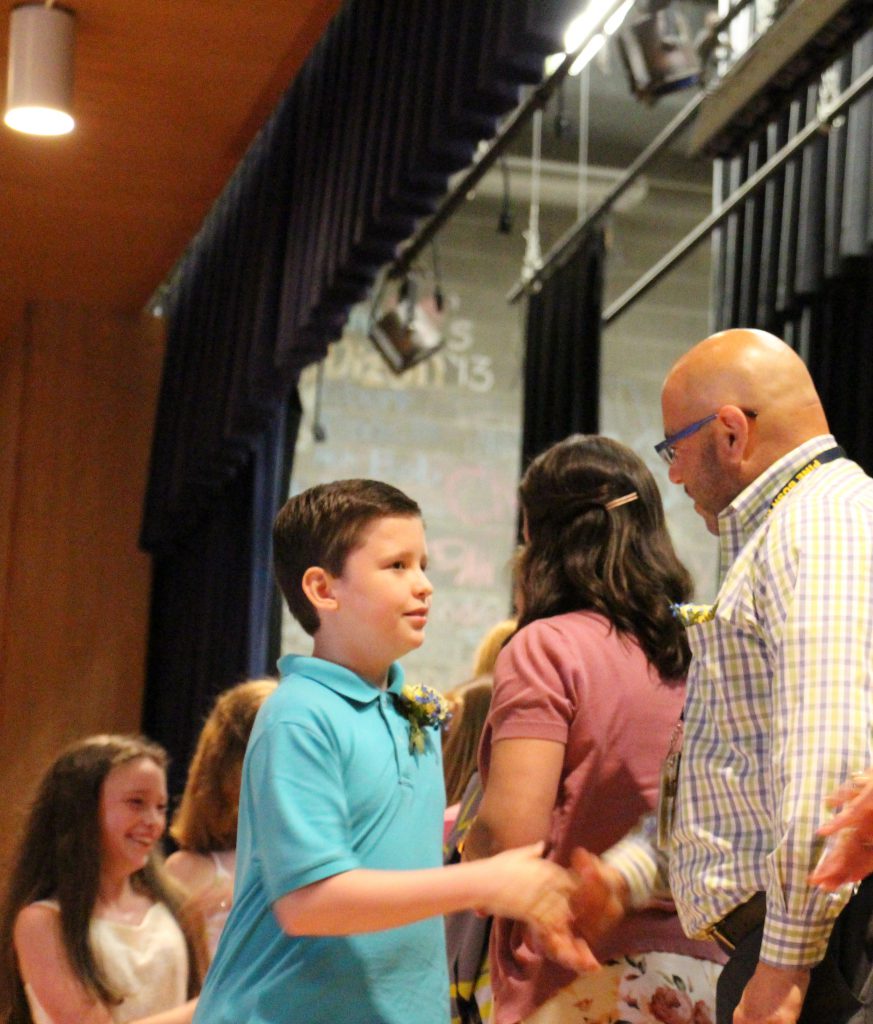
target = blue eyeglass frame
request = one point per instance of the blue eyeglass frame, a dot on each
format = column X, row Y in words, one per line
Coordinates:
column 665, row 448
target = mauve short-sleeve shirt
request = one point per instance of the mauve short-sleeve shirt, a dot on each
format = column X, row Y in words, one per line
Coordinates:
column 575, row 680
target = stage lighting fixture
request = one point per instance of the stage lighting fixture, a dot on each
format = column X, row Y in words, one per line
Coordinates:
column 410, row 331
column 657, row 51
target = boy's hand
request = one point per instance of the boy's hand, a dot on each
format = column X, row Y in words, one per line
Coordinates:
column 527, row 888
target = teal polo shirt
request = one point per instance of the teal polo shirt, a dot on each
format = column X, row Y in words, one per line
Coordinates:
column 330, row 784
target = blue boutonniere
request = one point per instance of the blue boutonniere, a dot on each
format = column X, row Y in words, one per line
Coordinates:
column 421, row 707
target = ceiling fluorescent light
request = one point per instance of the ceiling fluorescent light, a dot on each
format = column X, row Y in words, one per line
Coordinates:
column 614, row 23
column 594, row 46
column 590, row 21
column 40, row 81
column 582, row 26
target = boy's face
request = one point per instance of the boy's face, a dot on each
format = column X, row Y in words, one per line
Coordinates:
column 382, row 597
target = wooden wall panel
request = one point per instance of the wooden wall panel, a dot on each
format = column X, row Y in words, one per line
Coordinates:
column 11, row 389
column 74, row 623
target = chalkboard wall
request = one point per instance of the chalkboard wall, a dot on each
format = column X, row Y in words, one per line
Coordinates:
column 447, row 432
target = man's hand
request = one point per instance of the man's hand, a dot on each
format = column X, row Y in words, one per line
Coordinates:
column 774, row 995
column 523, row 886
column 849, row 857
column 598, row 902
column 601, row 896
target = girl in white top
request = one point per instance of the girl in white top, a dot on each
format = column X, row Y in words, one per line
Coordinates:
column 93, row 922
column 205, row 824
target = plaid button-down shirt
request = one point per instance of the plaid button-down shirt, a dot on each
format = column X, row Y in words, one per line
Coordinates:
column 779, row 706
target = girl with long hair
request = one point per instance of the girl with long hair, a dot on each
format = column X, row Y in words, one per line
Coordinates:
column 587, row 694
column 91, row 929
column 204, row 826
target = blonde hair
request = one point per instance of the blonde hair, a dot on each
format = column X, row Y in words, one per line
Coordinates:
column 470, row 704
column 491, row 645
column 206, row 818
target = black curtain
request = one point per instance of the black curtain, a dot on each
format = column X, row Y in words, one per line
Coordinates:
column 393, row 100
column 562, row 351
column 797, row 259
column 214, row 600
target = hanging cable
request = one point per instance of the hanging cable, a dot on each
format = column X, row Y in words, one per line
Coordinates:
column 584, row 108
column 439, row 300
column 319, row 433
column 564, row 248
column 537, row 99
column 561, row 124
column 504, row 220
column 533, row 257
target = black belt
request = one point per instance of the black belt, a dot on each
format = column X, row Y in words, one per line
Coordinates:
column 730, row 931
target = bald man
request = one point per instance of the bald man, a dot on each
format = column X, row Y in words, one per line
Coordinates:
column 778, row 708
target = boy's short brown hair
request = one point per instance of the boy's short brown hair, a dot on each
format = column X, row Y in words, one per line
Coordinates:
column 321, row 526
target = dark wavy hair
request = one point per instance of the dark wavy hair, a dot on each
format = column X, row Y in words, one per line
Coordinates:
column 322, row 526
column 619, row 562
column 59, row 858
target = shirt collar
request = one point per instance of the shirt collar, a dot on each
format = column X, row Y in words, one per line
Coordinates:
column 749, row 509
column 341, row 680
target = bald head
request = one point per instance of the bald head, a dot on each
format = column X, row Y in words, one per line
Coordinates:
column 754, row 371
column 750, row 400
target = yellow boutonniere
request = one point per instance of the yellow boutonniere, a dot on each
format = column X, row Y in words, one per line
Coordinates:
column 422, row 707
column 693, row 614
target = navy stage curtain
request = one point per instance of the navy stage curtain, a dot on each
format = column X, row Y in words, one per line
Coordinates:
column 213, row 604
column 797, row 259
column 392, row 101
column 562, row 351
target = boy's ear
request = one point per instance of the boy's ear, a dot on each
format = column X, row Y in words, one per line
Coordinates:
column 317, row 584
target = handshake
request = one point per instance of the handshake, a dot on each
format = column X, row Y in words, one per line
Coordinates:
column 567, row 908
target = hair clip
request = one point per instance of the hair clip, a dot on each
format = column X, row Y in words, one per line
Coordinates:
column 625, row 499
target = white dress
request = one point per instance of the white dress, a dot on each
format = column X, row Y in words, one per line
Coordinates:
column 225, row 864
column 146, row 962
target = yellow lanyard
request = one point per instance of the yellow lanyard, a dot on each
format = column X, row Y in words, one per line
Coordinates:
column 827, row 456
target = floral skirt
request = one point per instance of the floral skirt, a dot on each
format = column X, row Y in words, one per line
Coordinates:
column 649, row 988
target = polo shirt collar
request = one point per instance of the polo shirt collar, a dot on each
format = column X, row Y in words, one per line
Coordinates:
column 341, row 680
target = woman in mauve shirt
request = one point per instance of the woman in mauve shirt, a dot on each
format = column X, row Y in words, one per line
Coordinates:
column 587, row 695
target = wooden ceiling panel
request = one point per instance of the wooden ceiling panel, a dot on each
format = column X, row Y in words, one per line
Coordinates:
column 168, row 96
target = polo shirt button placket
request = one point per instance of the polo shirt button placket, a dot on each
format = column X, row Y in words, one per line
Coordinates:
column 385, row 703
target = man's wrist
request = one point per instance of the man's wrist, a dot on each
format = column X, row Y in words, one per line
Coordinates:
column 634, row 872
column 618, row 884
column 791, row 945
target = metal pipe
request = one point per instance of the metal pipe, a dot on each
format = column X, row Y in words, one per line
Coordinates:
column 861, row 85
column 516, row 121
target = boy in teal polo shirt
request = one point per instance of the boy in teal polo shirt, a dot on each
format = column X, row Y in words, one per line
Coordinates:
column 339, row 888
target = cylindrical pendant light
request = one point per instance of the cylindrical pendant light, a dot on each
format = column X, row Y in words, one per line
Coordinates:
column 39, row 91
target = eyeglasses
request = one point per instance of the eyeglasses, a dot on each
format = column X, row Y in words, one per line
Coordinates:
column 666, row 448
